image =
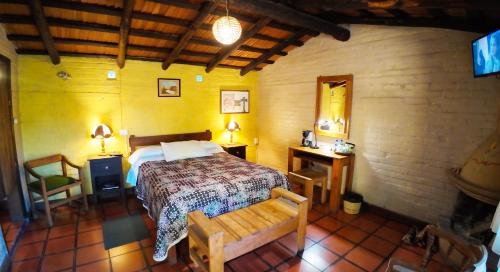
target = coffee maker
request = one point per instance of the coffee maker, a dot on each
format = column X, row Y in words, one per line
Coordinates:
column 306, row 138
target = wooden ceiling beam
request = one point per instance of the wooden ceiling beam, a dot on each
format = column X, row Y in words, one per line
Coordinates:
column 38, row 15
column 28, row 38
column 73, row 54
column 222, row 12
column 481, row 26
column 111, row 11
column 291, row 16
column 270, row 53
column 205, row 11
column 20, row 19
column 128, row 7
column 228, row 50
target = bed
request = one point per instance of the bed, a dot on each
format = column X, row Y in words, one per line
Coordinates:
column 215, row 184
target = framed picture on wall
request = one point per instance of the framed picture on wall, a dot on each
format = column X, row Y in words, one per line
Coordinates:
column 234, row 101
column 169, row 87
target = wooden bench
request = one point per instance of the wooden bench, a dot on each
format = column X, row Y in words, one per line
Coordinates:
column 230, row 235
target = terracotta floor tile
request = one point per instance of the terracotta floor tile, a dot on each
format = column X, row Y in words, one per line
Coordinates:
column 91, row 214
column 91, row 254
column 389, row 234
column 57, row 262
column 12, row 233
column 64, row 219
column 416, row 249
column 101, row 266
column 379, row 246
column 402, row 228
column 60, row 244
column 37, row 224
column 132, row 261
column 29, row 251
column 34, row 236
column 329, row 223
column 248, row 262
column 374, row 218
column 364, row 258
column 322, row 208
column 150, row 224
column 344, row 217
column 337, row 244
column 61, row 231
column 90, row 237
column 290, row 241
column 88, row 225
column 316, row 233
column 165, row 267
column 365, row 224
column 297, row 265
column 343, row 266
column 25, row 266
column 124, row 249
column 274, row 253
column 319, row 257
column 352, row 234
column 314, row 215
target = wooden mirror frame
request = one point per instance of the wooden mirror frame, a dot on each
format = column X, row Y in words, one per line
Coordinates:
column 348, row 104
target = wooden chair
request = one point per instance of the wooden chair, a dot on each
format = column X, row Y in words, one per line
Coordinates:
column 455, row 251
column 46, row 186
column 308, row 177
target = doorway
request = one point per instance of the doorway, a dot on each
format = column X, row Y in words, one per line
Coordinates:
column 10, row 186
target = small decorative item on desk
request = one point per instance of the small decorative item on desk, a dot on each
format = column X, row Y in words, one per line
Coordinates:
column 107, row 176
column 236, row 149
column 343, row 148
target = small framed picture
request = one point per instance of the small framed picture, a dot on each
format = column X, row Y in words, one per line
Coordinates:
column 232, row 101
column 169, row 87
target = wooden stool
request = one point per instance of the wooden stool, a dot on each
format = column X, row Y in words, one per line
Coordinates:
column 308, row 178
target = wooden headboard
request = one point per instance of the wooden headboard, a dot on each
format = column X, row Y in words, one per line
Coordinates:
column 136, row 142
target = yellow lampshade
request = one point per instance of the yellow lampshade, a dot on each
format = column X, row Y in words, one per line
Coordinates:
column 233, row 126
column 226, row 30
column 101, row 131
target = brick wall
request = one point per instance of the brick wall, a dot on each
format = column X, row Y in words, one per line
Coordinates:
column 417, row 110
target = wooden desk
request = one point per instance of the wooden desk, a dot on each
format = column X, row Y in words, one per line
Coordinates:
column 337, row 162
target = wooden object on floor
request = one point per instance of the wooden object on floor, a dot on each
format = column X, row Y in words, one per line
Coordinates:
column 337, row 162
column 451, row 247
column 308, row 177
column 230, row 235
column 236, row 149
column 46, row 186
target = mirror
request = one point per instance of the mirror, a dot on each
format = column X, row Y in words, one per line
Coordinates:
column 333, row 106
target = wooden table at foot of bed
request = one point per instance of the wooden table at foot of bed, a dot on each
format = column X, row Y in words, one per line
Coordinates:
column 230, row 235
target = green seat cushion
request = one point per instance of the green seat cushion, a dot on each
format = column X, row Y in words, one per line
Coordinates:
column 52, row 182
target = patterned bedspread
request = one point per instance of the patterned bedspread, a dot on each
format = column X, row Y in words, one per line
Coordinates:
column 215, row 185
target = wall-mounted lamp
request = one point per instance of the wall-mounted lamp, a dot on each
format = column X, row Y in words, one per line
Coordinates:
column 232, row 127
column 101, row 132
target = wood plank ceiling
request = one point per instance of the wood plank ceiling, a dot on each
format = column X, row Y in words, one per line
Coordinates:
column 179, row 31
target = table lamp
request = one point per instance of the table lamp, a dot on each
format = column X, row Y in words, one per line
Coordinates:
column 102, row 131
column 231, row 127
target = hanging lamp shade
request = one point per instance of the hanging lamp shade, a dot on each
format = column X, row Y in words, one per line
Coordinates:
column 226, row 29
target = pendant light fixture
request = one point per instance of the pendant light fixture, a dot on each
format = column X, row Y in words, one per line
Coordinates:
column 226, row 29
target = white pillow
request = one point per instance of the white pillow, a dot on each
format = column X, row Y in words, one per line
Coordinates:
column 211, row 147
column 183, row 150
column 147, row 151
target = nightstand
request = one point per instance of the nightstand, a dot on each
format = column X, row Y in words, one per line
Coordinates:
column 107, row 176
column 236, row 149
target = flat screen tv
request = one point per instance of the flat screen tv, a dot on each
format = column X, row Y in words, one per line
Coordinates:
column 486, row 54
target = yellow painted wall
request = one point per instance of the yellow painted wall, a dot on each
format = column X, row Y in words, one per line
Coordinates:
column 57, row 115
